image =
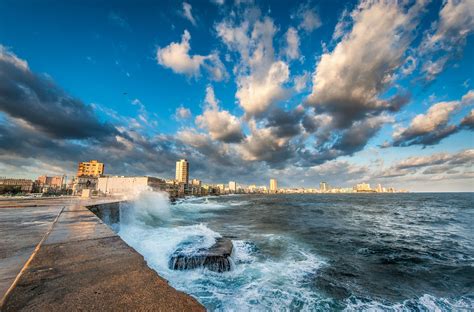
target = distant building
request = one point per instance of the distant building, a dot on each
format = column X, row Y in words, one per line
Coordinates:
column 8, row 185
column 46, row 184
column 273, row 185
column 91, row 168
column 379, row 188
column 232, row 187
column 81, row 183
column 119, row 185
column 323, row 187
column 182, row 171
column 363, row 187
column 196, row 182
column 221, row 188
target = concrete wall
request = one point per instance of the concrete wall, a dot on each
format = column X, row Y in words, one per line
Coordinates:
column 121, row 185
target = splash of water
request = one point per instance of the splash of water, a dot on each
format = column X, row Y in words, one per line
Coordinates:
column 146, row 207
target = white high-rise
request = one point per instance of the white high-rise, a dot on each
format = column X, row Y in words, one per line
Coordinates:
column 182, row 171
column 273, row 185
column 232, row 186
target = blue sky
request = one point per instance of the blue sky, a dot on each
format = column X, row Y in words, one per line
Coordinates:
column 305, row 91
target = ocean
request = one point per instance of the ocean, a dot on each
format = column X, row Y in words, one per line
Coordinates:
column 315, row 252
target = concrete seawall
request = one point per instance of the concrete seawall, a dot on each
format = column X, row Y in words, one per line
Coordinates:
column 56, row 255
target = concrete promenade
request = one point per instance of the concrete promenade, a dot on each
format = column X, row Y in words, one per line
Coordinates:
column 56, row 255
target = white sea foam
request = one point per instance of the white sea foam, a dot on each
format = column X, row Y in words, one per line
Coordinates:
column 424, row 303
column 146, row 207
column 254, row 283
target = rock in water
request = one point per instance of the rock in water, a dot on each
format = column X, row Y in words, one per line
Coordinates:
column 215, row 258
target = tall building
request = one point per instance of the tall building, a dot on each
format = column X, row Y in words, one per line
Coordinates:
column 273, row 185
column 323, row 187
column 232, row 187
column 91, row 168
column 379, row 188
column 182, row 171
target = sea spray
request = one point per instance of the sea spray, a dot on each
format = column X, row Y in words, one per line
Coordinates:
column 146, row 207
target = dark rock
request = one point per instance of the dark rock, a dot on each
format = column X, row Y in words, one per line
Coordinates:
column 215, row 258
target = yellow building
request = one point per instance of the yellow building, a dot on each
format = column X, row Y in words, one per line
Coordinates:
column 182, row 171
column 90, row 168
column 273, row 185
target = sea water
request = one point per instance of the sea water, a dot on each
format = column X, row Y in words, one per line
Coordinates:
column 390, row 252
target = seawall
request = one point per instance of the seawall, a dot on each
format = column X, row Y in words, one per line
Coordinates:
column 56, row 255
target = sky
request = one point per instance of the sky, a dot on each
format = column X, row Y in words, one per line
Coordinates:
column 302, row 91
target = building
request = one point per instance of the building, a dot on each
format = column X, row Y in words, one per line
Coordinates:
column 8, row 185
column 379, row 188
column 91, row 168
column 47, row 184
column 120, row 185
column 362, row 187
column 273, row 186
column 81, row 183
column 182, row 171
column 196, row 182
column 323, row 187
column 232, row 187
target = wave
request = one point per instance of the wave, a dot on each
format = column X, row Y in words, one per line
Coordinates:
column 424, row 303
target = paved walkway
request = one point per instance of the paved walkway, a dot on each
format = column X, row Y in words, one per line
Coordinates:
column 56, row 255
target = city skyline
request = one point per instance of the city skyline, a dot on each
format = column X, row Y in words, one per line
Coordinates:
column 246, row 91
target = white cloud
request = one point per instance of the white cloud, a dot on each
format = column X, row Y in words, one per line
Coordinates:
column 188, row 14
column 182, row 113
column 256, row 93
column 221, row 124
column 436, row 116
column 309, row 18
column 9, row 57
column 260, row 78
column 342, row 25
column 349, row 80
column 292, row 50
column 301, row 81
column 456, row 22
column 432, row 127
column 176, row 57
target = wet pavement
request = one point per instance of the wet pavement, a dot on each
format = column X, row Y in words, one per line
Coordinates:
column 57, row 255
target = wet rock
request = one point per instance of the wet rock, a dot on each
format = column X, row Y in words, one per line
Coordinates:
column 215, row 258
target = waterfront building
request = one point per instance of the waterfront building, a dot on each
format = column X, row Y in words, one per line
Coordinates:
column 221, row 188
column 81, row 183
column 120, row 185
column 46, row 184
column 182, row 171
column 273, row 186
column 323, row 187
column 363, row 187
column 8, row 185
column 196, row 182
column 91, row 168
column 379, row 188
column 232, row 187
